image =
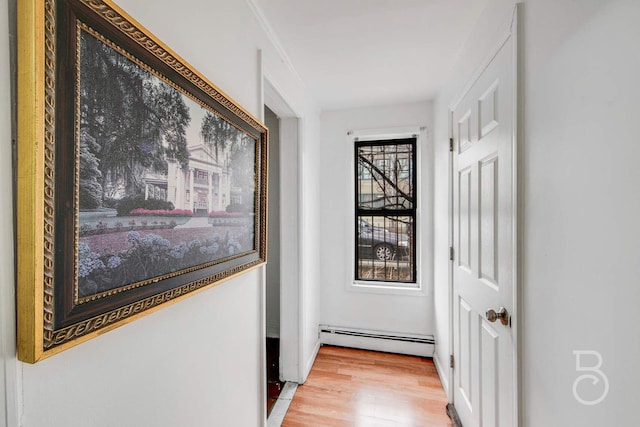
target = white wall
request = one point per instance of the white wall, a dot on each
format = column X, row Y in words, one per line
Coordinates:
column 579, row 202
column 193, row 363
column 8, row 372
column 339, row 305
column 581, row 228
column 197, row 362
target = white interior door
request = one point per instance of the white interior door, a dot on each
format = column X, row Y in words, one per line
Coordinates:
column 483, row 231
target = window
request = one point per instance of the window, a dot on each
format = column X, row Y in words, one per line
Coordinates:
column 202, row 177
column 385, row 210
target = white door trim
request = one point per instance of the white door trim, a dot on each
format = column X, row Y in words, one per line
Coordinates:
column 510, row 30
column 291, row 235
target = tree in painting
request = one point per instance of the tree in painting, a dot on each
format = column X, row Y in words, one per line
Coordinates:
column 222, row 137
column 243, row 173
column 133, row 120
column 217, row 133
column 90, row 175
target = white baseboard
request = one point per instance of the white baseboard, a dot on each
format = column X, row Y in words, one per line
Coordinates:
column 390, row 342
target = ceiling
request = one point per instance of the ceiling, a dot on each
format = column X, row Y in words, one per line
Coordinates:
column 354, row 53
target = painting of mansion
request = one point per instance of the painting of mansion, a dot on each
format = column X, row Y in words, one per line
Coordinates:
column 165, row 182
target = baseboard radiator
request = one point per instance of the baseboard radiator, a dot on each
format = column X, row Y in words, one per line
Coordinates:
column 392, row 342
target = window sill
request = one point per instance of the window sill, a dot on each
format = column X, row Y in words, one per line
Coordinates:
column 412, row 289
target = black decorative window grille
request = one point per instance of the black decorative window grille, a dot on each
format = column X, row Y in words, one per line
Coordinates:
column 385, row 210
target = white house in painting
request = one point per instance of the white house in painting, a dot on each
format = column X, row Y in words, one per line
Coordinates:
column 203, row 186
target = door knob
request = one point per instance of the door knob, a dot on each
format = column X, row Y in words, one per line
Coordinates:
column 502, row 315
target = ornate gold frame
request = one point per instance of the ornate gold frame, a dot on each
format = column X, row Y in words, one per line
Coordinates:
column 40, row 335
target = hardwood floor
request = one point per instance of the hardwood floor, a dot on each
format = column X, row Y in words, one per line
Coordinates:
column 349, row 387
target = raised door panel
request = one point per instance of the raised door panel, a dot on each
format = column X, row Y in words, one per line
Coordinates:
column 488, row 104
column 464, row 132
column 464, row 219
column 490, row 383
column 488, row 220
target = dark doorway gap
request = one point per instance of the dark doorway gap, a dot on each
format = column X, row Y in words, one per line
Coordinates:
column 274, row 385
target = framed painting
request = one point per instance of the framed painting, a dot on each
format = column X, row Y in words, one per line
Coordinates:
column 139, row 181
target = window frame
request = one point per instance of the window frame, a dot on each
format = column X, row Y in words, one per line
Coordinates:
column 359, row 213
column 419, row 288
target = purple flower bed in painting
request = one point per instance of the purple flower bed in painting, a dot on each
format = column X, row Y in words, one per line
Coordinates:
column 130, row 257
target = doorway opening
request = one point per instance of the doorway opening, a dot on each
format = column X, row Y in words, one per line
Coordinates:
column 282, row 300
